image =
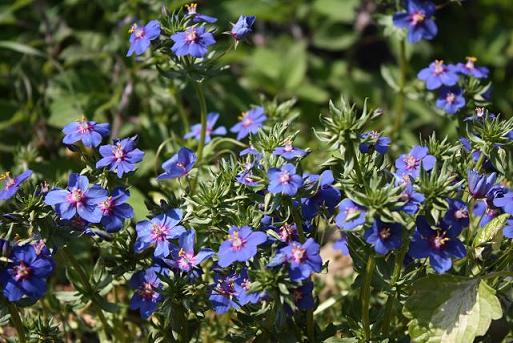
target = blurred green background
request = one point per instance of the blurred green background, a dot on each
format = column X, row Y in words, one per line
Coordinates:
column 59, row 59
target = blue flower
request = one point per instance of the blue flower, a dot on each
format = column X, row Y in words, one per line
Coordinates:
column 141, row 37
column 302, row 259
column 450, row 100
column 457, row 214
column 158, row 231
column 89, row 132
column 411, row 199
column 78, row 198
column 438, row 74
column 485, row 212
column 289, row 152
column 198, row 17
column 11, row 185
column 242, row 287
column 252, row 152
column 240, row 246
column 211, row 122
column 302, row 296
column 410, row 164
column 247, row 178
column 384, row 236
column 243, row 27
column 417, row 19
column 178, row 165
column 194, row 42
column 350, row 215
column 469, row 68
column 115, row 210
column 479, row 185
column 147, row 286
column 184, row 258
column 287, row 232
column 440, row 245
column 327, row 195
column 284, row 180
column 250, row 122
column 26, row 272
column 505, row 201
column 374, row 141
column 223, row 293
column 121, row 156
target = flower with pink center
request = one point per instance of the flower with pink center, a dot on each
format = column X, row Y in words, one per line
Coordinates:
column 115, row 210
column 120, row 157
column 451, row 100
column 180, row 164
column 26, row 272
column 240, row 246
column 288, row 151
column 194, row 42
column 417, row 19
column 78, row 198
column 284, row 180
column 141, row 37
column 457, row 214
column 469, row 68
column 183, row 257
column 301, row 259
column 147, row 287
column 440, row 245
column 250, row 122
column 12, row 184
column 410, row 164
column 158, row 231
column 438, row 74
column 89, row 132
column 383, row 236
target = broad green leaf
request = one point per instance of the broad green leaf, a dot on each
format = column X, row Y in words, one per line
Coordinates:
column 294, row 66
column 389, row 77
column 452, row 309
column 343, row 11
column 136, row 200
column 491, row 229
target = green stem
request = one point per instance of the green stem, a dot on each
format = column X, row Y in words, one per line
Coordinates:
column 366, row 290
column 396, row 274
column 399, row 114
column 480, row 162
column 16, row 321
column 85, row 281
column 201, row 144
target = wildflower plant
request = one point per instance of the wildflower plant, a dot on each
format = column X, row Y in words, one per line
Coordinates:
column 230, row 242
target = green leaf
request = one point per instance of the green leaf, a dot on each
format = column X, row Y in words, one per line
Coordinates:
column 136, row 200
column 342, row 11
column 452, row 309
column 294, row 66
column 491, row 229
column 389, row 77
column 21, row 48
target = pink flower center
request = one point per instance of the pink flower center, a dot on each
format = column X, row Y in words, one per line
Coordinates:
column 192, row 36
column 439, row 240
column 288, row 148
column 298, row 253
column 84, row 127
column 284, row 177
column 439, row 67
column 159, row 232
column 411, row 162
column 76, row 196
column 180, row 164
column 237, row 242
column 249, row 178
column 461, row 214
column 106, row 206
column 22, row 271
column 450, row 98
column 118, row 152
column 470, row 63
column 147, row 291
column 384, row 233
column 374, row 135
column 247, row 122
column 186, row 260
column 417, row 17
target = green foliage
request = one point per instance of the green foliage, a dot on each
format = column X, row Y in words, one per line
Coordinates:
column 445, row 308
